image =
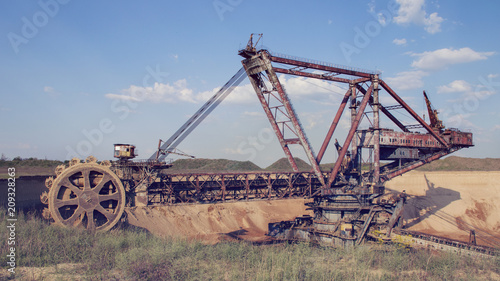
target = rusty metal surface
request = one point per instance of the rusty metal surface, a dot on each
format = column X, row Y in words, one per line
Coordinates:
column 350, row 135
column 412, row 113
column 418, row 140
column 333, row 126
column 89, row 195
column 349, row 203
column 310, row 75
column 423, row 240
column 221, row 187
column 316, row 65
column 264, row 96
column 284, row 108
column 376, row 130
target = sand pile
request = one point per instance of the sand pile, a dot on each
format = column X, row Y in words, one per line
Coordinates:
column 450, row 204
column 215, row 222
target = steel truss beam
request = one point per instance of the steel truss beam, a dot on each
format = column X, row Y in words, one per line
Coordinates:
column 350, row 135
column 261, row 71
column 221, row 187
column 259, row 67
column 413, row 114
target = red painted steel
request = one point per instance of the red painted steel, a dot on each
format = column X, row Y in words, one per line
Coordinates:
column 292, row 115
column 393, row 119
column 260, row 64
column 221, row 187
column 376, row 130
column 417, row 164
column 310, row 75
column 333, row 126
column 415, row 115
column 257, row 83
column 353, row 129
column 386, row 112
column 321, row 67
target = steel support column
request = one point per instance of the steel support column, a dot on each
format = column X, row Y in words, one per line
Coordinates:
column 333, row 126
column 354, row 111
column 350, row 136
column 376, row 131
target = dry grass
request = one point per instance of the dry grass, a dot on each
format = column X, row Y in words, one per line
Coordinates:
column 49, row 252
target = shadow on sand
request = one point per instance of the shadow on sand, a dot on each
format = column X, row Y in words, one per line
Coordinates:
column 419, row 208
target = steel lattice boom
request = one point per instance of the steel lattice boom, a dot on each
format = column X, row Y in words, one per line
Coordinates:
column 414, row 149
column 349, row 203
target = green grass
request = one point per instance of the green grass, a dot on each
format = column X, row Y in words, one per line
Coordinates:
column 29, row 162
column 212, row 165
column 28, row 167
column 283, row 165
column 455, row 163
column 134, row 254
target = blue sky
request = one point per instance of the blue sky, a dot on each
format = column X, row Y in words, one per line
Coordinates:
column 69, row 69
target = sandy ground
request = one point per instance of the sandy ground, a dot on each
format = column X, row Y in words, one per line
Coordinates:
column 450, row 204
column 447, row 204
column 216, row 222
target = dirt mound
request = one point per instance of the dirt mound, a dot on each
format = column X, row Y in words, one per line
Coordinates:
column 215, row 222
column 450, row 204
column 284, row 165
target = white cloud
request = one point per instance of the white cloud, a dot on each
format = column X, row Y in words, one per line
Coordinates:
column 50, row 91
column 371, row 6
column 443, row 58
column 433, row 23
column 296, row 87
column 455, row 87
column 407, row 80
column 412, row 12
column 312, row 119
column 240, row 95
column 382, row 19
column 253, row 114
column 399, row 41
column 470, row 94
column 121, row 97
column 169, row 93
column 310, row 87
column 459, row 121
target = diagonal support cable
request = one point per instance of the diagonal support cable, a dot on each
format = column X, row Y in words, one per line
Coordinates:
column 199, row 116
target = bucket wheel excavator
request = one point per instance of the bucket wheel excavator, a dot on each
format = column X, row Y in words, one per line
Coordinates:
column 349, row 200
